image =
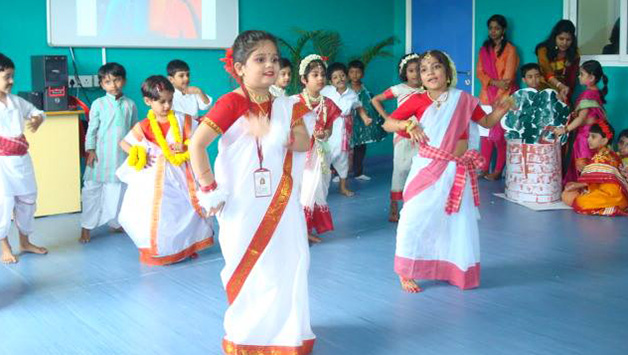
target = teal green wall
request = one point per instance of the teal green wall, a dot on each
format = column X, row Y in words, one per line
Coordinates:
column 529, row 23
column 362, row 24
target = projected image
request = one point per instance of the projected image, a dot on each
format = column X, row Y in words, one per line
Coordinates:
column 168, row 19
column 142, row 23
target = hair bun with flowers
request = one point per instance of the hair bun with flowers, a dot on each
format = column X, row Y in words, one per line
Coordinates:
column 309, row 59
column 606, row 129
column 228, row 60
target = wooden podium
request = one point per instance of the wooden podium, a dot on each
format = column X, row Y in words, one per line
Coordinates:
column 54, row 149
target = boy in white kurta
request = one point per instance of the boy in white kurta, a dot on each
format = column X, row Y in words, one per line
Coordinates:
column 347, row 100
column 187, row 100
column 18, row 189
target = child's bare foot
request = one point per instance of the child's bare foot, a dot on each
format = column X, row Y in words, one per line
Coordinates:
column 344, row 190
column 28, row 247
column 85, row 236
column 116, row 230
column 347, row 192
column 313, row 239
column 496, row 175
column 409, row 285
column 7, row 256
column 394, row 212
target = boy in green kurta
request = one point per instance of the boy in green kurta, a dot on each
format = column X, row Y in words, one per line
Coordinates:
column 111, row 118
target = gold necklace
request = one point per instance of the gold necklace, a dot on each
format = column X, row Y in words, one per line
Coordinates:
column 437, row 101
column 257, row 98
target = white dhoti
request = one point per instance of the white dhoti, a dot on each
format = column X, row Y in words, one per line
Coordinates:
column 101, row 204
column 22, row 208
column 338, row 148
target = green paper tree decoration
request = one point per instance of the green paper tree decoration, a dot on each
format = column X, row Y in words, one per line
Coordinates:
column 535, row 112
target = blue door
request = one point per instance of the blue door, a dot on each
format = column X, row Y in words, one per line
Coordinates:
column 446, row 25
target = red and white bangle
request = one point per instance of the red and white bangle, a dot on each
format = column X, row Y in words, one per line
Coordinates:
column 209, row 188
column 291, row 139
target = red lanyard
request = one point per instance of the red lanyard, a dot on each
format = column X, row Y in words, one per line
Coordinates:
column 258, row 144
column 260, row 154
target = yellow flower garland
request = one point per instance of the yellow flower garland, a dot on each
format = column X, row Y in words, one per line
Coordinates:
column 174, row 158
column 137, row 157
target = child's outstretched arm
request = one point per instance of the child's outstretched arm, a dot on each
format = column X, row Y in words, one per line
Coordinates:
column 203, row 137
column 575, row 123
column 377, row 103
column 499, row 110
column 364, row 116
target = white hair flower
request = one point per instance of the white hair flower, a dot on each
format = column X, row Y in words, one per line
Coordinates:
column 307, row 60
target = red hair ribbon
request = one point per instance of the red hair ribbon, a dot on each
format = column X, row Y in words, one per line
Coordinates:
column 228, row 60
column 324, row 58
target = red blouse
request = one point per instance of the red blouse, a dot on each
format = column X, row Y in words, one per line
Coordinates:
column 148, row 132
column 416, row 106
column 229, row 108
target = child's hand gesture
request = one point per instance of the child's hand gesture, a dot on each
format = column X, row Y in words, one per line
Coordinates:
column 575, row 186
column 320, row 134
column 91, row 158
column 34, row 123
column 559, row 131
column 193, row 90
column 177, row 147
column 501, row 107
column 368, row 121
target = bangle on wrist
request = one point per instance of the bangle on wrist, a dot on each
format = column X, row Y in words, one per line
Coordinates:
column 209, row 188
column 410, row 125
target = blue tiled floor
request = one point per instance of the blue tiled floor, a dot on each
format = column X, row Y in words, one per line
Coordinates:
column 552, row 283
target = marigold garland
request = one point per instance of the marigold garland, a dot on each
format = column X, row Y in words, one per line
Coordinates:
column 175, row 159
column 137, row 157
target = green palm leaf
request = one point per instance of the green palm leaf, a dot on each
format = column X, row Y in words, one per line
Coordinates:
column 378, row 50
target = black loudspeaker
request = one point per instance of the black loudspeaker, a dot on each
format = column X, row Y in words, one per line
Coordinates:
column 34, row 97
column 49, row 70
column 50, row 76
column 56, row 98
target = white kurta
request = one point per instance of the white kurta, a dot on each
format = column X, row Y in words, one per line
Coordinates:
column 18, row 188
column 189, row 104
column 159, row 210
column 347, row 102
column 17, row 176
column 271, row 308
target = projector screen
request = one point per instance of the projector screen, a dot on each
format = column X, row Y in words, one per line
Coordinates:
column 142, row 23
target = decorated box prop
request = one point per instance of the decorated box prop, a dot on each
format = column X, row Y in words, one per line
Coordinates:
column 533, row 172
column 533, row 157
column 534, row 114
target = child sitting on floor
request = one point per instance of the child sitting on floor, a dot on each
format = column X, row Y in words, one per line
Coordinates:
column 601, row 188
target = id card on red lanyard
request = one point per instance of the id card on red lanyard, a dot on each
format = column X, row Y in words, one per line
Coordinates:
column 263, row 183
column 261, row 177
